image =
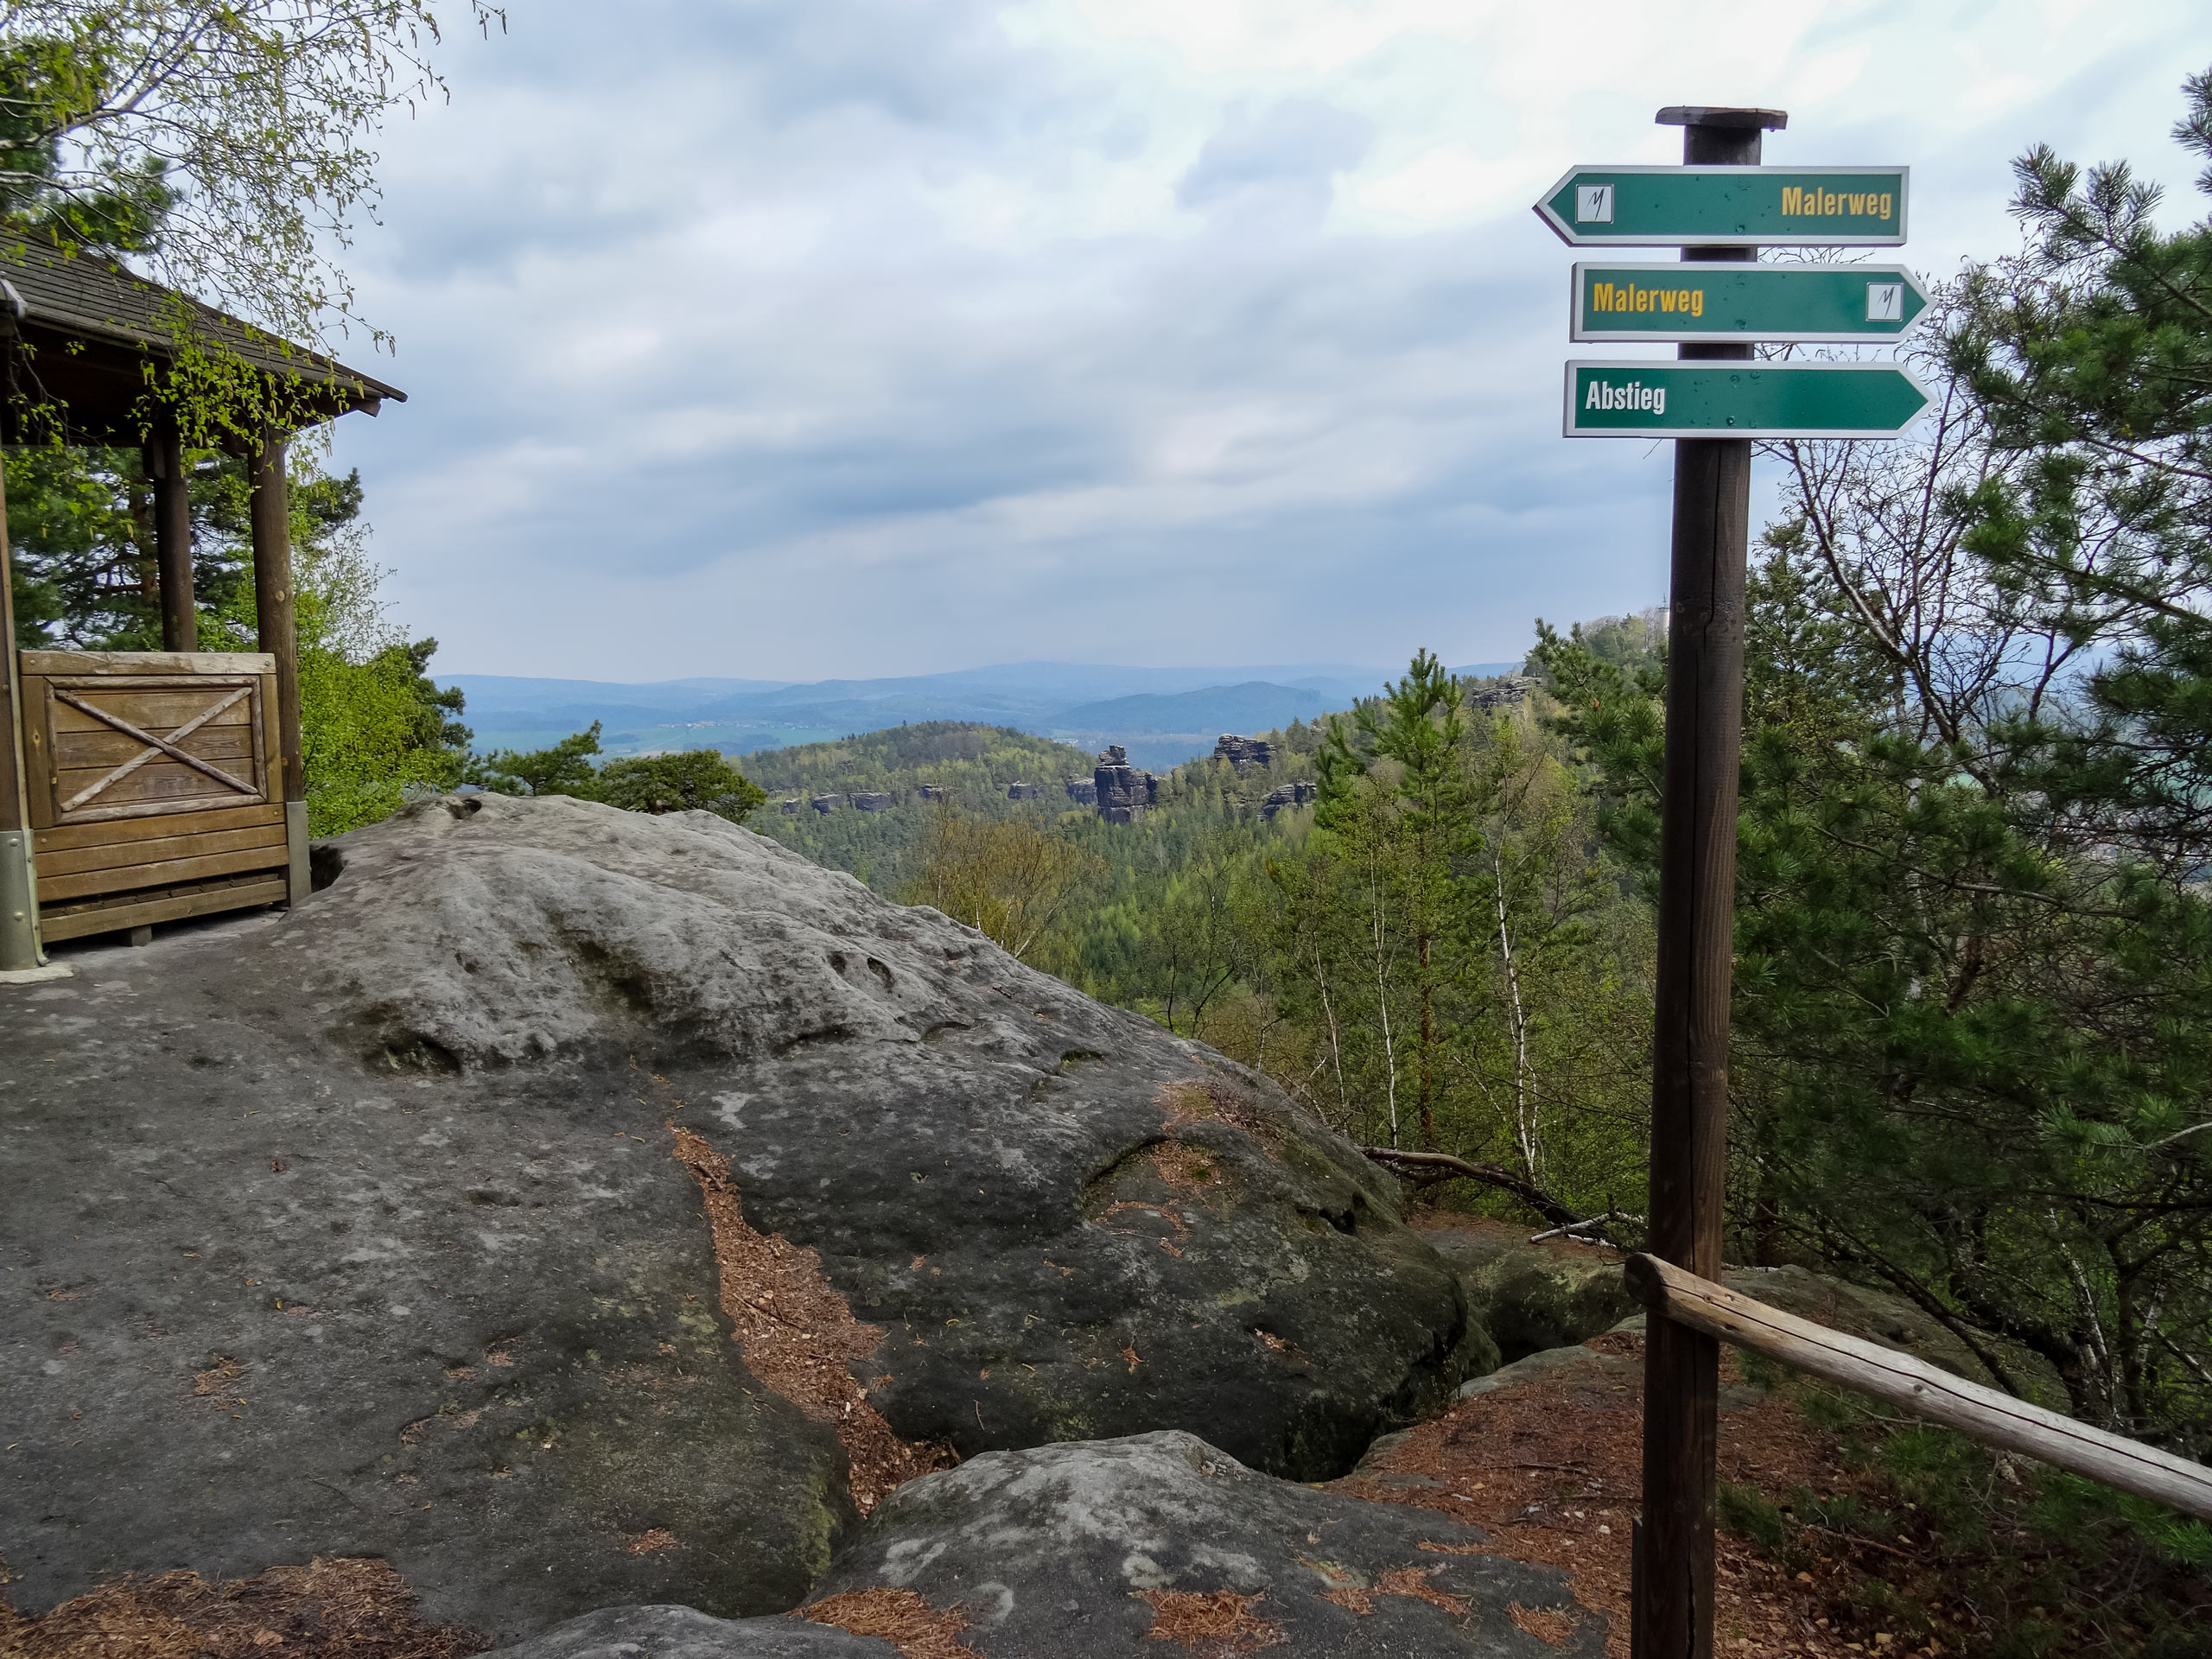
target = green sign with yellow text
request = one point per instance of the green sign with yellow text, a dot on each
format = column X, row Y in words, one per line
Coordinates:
column 1722, row 207
column 1737, row 302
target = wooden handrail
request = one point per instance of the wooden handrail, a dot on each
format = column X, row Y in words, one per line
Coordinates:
column 1922, row 1390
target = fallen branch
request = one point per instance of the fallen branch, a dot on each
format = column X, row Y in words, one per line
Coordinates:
column 1575, row 1229
column 1491, row 1175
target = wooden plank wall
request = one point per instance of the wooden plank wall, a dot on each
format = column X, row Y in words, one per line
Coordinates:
column 166, row 841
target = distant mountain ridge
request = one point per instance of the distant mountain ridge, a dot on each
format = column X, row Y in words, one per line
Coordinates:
column 1165, row 715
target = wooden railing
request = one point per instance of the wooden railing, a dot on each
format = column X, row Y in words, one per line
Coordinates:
column 1920, row 1389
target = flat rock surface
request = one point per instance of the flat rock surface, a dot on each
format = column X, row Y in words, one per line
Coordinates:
column 264, row 1303
column 676, row 1632
column 357, row 1230
column 1110, row 1548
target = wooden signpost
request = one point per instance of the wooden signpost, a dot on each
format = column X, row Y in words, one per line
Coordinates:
column 1717, row 207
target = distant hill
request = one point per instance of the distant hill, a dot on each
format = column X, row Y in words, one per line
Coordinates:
column 1045, row 699
column 1252, row 707
column 974, row 764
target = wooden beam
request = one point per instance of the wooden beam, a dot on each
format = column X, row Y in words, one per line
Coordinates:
column 19, row 938
column 1924, row 1390
column 137, row 664
column 270, row 517
column 114, row 915
column 173, row 542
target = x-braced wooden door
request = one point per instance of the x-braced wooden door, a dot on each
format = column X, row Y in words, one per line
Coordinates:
column 153, row 787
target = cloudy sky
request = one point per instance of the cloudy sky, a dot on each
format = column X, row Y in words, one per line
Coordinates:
column 805, row 337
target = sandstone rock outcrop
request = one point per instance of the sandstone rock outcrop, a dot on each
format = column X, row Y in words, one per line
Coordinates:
column 1131, row 1548
column 1243, row 752
column 872, row 801
column 1509, row 692
column 1124, row 791
column 1530, row 1298
column 357, row 1231
column 1104, row 1548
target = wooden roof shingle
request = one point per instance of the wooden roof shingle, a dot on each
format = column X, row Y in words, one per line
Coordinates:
column 87, row 335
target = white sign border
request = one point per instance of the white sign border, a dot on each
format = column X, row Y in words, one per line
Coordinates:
column 1756, row 434
column 1575, row 238
column 1798, row 337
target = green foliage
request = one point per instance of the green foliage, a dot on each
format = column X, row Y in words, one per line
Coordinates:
column 228, row 145
column 1983, row 1553
column 698, row 780
column 44, row 84
column 971, row 766
column 1747, row 1510
column 1973, row 979
column 1006, row 877
column 371, row 732
column 565, row 768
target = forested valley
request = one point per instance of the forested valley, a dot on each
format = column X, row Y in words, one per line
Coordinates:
column 1975, row 952
column 1972, row 1002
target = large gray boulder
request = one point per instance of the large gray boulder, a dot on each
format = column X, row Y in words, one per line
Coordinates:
column 1102, row 1550
column 357, row 1231
column 1529, row 1298
column 263, row 1304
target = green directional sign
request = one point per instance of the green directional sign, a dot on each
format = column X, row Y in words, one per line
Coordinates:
column 1663, row 300
column 1654, row 398
column 1723, row 206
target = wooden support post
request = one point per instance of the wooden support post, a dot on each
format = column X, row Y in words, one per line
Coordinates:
column 1673, row 1615
column 270, row 516
column 173, row 542
column 19, row 941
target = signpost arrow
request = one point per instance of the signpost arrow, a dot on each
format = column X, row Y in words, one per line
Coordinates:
column 1728, row 206
column 1654, row 398
column 1662, row 300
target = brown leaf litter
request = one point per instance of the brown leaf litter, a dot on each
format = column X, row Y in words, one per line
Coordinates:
column 1184, row 1167
column 218, row 1377
column 900, row 1618
column 798, row 1336
column 1218, row 1096
column 1211, row 1624
column 1408, row 1581
column 329, row 1608
column 1549, row 1626
column 1551, row 1470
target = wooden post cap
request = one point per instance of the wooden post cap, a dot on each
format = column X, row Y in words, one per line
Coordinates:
column 1714, row 115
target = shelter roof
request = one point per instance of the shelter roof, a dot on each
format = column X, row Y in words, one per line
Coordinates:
column 93, row 335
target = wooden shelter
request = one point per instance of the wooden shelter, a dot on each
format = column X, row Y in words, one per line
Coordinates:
column 138, row 787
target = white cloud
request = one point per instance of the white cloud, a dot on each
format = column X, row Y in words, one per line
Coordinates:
column 789, row 338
